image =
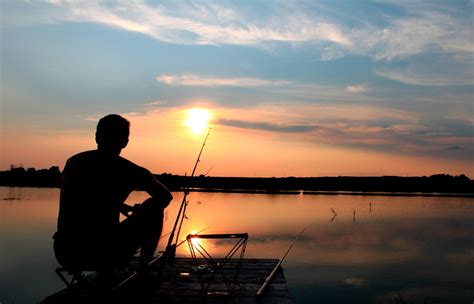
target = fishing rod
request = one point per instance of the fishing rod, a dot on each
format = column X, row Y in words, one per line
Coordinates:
column 170, row 251
column 272, row 274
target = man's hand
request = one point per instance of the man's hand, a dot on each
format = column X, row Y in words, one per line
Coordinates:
column 126, row 209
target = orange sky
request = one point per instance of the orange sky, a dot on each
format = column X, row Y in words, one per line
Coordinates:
column 163, row 142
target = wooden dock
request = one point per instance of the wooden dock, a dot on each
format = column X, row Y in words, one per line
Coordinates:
column 183, row 282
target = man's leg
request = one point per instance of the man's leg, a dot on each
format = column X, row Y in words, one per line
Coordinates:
column 153, row 226
column 142, row 229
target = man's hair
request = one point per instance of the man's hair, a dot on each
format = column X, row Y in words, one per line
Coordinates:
column 113, row 130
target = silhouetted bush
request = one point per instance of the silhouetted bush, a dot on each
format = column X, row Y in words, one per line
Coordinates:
column 18, row 176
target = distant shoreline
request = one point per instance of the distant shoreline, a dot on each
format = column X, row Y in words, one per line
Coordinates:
column 435, row 185
column 309, row 192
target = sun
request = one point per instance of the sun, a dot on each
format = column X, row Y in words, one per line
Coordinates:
column 197, row 119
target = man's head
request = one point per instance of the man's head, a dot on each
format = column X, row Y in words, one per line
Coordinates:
column 112, row 133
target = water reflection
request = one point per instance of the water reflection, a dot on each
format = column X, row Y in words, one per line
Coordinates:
column 356, row 249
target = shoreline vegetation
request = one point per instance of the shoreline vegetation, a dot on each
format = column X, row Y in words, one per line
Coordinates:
column 434, row 185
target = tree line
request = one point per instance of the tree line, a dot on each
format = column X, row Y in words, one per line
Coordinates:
column 442, row 183
column 31, row 177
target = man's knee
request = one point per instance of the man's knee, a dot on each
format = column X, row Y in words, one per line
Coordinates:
column 150, row 212
column 152, row 205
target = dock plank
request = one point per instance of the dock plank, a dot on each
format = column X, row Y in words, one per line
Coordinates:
column 169, row 285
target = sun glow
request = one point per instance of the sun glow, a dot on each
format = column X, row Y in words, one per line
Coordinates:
column 197, row 120
column 196, row 241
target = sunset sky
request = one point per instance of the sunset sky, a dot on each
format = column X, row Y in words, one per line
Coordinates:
column 290, row 88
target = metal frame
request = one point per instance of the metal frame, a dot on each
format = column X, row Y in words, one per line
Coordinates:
column 77, row 276
column 217, row 265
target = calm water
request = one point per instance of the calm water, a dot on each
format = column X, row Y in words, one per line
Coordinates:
column 393, row 249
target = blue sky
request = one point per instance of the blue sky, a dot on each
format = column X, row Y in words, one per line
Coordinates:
column 393, row 78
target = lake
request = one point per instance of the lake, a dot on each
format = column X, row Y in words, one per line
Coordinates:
column 377, row 249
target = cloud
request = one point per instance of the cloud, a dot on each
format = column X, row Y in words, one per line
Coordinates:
column 155, row 103
column 416, row 76
column 204, row 23
column 331, row 30
column 54, row 2
column 195, row 80
column 265, row 126
column 355, row 89
column 365, row 127
column 424, row 30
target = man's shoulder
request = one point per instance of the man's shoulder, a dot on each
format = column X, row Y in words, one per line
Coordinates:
column 95, row 158
column 131, row 165
column 83, row 156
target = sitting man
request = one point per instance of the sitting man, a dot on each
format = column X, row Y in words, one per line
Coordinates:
column 94, row 187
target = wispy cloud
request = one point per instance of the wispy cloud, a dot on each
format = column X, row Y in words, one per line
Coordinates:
column 418, row 76
column 196, row 80
column 265, row 126
column 54, row 2
column 355, row 88
column 424, row 28
column 357, row 126
column 204, row 23
column 155, row 103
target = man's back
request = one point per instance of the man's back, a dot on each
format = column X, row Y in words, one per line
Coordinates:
column 94, row 186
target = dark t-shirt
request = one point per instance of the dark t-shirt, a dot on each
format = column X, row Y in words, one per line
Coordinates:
column 93, row 188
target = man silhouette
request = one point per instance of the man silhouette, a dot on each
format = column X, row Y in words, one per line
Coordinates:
column 94, row 187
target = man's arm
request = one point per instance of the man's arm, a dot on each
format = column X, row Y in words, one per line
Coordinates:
column 157, row 190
